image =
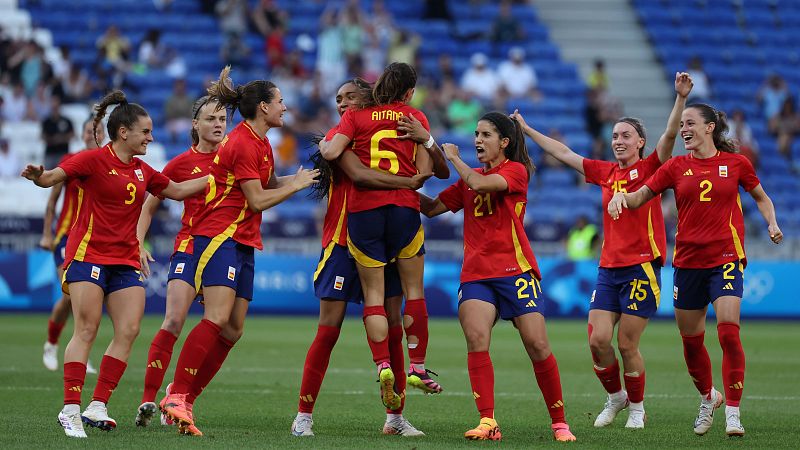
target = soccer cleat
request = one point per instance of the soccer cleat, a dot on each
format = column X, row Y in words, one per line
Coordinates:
column 487, row 430
column 636, row 419
column 422, row 381
column 174, row 406
column 90, row 368
column 72, row 423
column 145, row 413
column 302, row 425
column 96, row 415
column 561, row 432
column 705, row 416
column 190, row 430
column 165, row 420
column 50, row 356
column 610, row 410
column 401, row 427
column 733, row 425
column 386, row 378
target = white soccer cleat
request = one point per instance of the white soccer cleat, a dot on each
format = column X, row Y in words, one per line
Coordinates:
column 50, row 356
column 302, row 425
column 71, row 422
column 145, row 413
column 705, row 416
column 90, row 368
column 610, row 410
column 636, row 418
column 402, row 427
column 733, row 425
column 96, row 415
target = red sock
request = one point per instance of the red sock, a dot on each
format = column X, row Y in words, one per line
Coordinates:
column 397, row 360
column 213, row 362
column 549, row 381
column 380, row 350
column 481, row 377
column 317, row 358
column 635, row 387
column 698, row 362
column 157, row 362
column 111, row 370
column 732, row 362
column 74, row 376
column 418, row 312
column 199, row 342
column 54, row 331
column 609, row 377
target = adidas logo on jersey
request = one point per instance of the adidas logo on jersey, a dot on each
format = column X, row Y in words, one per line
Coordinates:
column 196, row 170
column 728, row 287
column 688, row 173
column 633, row 307
column 113, row 172
column 531, row 304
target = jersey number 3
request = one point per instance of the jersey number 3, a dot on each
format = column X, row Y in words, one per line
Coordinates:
column 132, row 191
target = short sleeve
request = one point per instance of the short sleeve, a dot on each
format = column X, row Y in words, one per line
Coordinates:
column 331, row 133
column 156, row 181
column 453, row 196
column 653, row 162
column 663, row 179
column 747, row 174
column 347, row 125
column 419, row 115
column 81, row 164
column 516, row 176
column 246, row 164
column 595, row 170
column 171, row 169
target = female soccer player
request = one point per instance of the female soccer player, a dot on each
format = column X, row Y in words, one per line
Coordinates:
column 634, row 249
column 208, row 130
column 385, row 225
column 336, row 280
column 226, row 231
column 709, row 255
column 494, row 198
column 102, row 256
column 63, row 307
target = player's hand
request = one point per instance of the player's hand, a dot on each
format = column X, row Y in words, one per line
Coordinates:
column 775, row 233
column 418, row 180
column 616, row 204
column 683, row 84
column 304, row 178
column 32, row 172
column 451, row 151
column 413, row 129
column 46, row 242
column 145, row 258
column 520, row 120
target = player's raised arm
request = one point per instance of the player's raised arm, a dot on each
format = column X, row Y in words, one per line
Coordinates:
column 553, row 147
column 666, row 144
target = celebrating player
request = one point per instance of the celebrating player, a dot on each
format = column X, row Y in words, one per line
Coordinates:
column 494, row 198
column 208, row 130
column 634, row 249
column 102, row 256
column 709, row 255
column 63, row 307
column 385, row 225
column 226, row 232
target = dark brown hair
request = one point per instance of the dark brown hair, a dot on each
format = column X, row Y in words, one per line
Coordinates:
column 709, row 114
column 393, row 83
column 124, row 115
column 245, row 98
column 517, row 149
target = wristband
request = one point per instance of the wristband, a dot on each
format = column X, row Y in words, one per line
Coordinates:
column 429, row 143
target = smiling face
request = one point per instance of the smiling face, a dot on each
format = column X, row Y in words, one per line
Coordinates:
column 626, row 143
column 695, row 131
column 274, row 109
column 210, row 123
column 347, row 97
column 88, row 134
column 489, row 144
column 136, row 138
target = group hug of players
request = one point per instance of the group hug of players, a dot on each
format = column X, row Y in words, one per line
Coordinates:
column 369, row 167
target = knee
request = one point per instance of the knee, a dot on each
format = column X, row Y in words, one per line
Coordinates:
column 538, row 349
column 127, row 332
column 477, row 340
column 628, row 348
column 599, row 343
column 173, row 325
column 232, row 333
column 86, row 332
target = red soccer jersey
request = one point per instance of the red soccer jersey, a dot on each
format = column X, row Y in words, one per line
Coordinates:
column 110, row 198
column 495, row 244
column 373, row 132
column 334, row 226
column 243, row 155
column 187, row 166
column 69, row 207
column 638, row 236
column 710, row 221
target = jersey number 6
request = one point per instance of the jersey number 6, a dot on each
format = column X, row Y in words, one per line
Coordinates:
column 376, row 154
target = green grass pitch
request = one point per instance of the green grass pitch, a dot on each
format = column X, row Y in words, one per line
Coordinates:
column 253, row 400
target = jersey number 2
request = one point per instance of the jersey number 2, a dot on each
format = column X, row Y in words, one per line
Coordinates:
column 706, row 185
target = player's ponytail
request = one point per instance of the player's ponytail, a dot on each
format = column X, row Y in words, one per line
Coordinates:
column 393, row 83
column 508, row 128
column 124, row 115
column 720, row 120
column 244, row 98
column 639, row 127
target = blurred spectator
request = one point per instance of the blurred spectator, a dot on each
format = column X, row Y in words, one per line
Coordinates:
column 174, row 64
column 267, row 16
column 57, row 131
column 594, row 122
column 437, row 9
column 740, row 130
column 28, row 61
column 9, row 163
column 480, row 80
column 114, row 48
column 517, row 77
column 352, row 35
column 76, row 85
column 286, row 151
column 404, row 47
column 232, row 16
column 41, row 102
column 701, row 92
column 274, row 47
column 463, row 113
column 151, row 50
column 772, row 95
column 381, row 22
column 506, row 27
column 436, row 112
column 16, row 105
column 784, row 126
column 330, row 60
column 582, row 240
column 178, row 111
column 373, row 56
column 598, row 79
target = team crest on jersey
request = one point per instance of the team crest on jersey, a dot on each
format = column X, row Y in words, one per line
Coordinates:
column 139, row 175
column 95, row 273
column 338, row 283
column 231, row 273
column 179, row 267
column 634, row 174
column 723, row 171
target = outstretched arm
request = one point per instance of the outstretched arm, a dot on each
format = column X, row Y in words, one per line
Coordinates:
column 767, row 210
column 44, row 178
column 184, row 189
column 260, row 199
column 363, row 176
column 332, row 149
column 631, row 200
column 554, row 148
column 683, row 86
column 431, row 207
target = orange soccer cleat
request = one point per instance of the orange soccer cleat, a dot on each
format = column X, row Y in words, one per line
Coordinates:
column 487, row 430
